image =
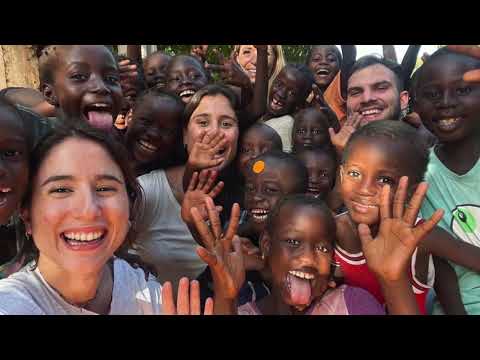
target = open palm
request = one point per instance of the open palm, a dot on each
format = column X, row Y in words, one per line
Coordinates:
column 222, row 252
column 389, row 254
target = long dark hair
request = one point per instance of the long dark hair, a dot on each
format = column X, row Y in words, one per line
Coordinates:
column 80, row 130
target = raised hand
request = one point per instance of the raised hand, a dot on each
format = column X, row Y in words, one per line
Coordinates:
column 188, row 299
column 205, row 152
column 227, row 266
column 470, row 50
column 201, row 186
column 230, row 71
column 340, row 139
column 389, row 254
column 252, row 257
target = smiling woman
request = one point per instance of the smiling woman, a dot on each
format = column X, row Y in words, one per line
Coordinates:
column 79, row 216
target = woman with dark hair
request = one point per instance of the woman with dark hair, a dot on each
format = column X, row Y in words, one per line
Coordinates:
column 77, row 215
column 164, row 241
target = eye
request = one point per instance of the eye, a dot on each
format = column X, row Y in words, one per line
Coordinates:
column 203, row 123
column 322, row 248
column 291, row 93
column 79, row 77
column 354, row 92
column 244, row 150
column 353, row 173
column 301, row 131
column 249, row 188
column 317, row 131
column 12, row 154
column 332, row 58
column 60, row 190
column 464, row 90
column 105, row 189
column 113, row 79
column 271, row 190
column 293, row 242
column 384, row 180
column 324, row 174
column 431, row 94
column 227, row 124
column 383, row 86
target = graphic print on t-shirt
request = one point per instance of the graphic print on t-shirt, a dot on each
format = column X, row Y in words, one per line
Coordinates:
column 465, row 221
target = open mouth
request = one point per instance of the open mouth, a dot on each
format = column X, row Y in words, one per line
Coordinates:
column 186, row 95
column 277, row 104
column 4, row 192
column 371, row 112
column 363, row 208
column 313, row 189
column 448, row 124
column 323, row 72
column 299, row 285
column 84, row 240
column 99, row 115
column 147, row 146
column 259, row 215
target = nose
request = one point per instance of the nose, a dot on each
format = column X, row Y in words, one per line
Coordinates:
column 307, row 257
column 99, row 86
column 448, row 100
column 367, row 187
column 87, row 205
column 185, row 81
column 282, row 92
column 368, row 96
column 257, row 196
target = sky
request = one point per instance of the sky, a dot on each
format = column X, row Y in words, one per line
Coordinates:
column 400, row 49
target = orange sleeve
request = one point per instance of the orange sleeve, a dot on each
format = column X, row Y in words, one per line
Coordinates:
column 334, row 99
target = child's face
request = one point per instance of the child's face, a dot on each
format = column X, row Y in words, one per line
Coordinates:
column 324, row 64
column 154, row 129
column 300, row 253
column 371, row 164
column 155, row 69
column 87, row 85
column 255, row 142
column 310, row 130
column 185, row 78
column 321, row 172
column 447, row 105
column 13, row 164
column 286, row 93
column 264, row 186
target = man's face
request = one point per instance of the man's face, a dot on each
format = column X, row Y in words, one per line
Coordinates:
column 372, row 93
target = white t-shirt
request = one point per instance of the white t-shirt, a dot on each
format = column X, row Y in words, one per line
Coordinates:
column 27, row 293
column 283, row 125
column 164, row 240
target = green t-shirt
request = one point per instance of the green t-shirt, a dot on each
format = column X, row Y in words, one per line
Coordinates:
column 459, row 197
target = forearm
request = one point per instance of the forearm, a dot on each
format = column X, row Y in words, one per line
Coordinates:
column 134, row 52
column 408, row 63
column 399, row 297
column 349, row 53
column 260, row 91
column 222, row 306
column 389, row 53
column 447, row 289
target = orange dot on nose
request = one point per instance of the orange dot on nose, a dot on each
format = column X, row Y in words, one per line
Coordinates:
column 258, row 167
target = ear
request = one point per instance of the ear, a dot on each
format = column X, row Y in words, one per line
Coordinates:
column 49, row 94
column 25, row 216
column 265, row 243
column 404, row 97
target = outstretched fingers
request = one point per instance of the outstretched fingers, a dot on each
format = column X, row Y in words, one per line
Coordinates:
column 400, row 197
column 385, row 211
column 365, row 234
column 167, row 299
column 193, row 182
column 415, row 204
column 203, row 230
column 214, row 218
column 422, row 229
column 207, row 257
column 183, row 297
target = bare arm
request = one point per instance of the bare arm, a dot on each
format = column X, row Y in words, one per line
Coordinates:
column 349, row 53
column 446, row 287
column 408, row 63
column 134, row 52
column 258, row 105
column 389, row 53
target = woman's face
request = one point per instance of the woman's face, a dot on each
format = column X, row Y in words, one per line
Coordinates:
column 214, row 113
column 79, row 213
column 247, row 58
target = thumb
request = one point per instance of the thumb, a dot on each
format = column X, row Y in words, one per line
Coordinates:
column 365, row 235
column 207, row 257
column 413, row 119
column 332, row 133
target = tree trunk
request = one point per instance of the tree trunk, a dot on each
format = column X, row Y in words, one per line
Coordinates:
column 18, row 66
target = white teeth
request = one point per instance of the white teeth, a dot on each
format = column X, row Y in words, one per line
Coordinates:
column 301, row 274
column 147, row 145
column 5, row 190
column 187, row 93
column 259, row 214
column 323, row 72
column 371, row 112
column 448, row 123
column 85, row 237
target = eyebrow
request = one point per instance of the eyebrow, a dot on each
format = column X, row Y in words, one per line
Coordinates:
column 70, row 177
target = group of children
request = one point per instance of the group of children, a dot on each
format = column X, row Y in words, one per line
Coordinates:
column 287, row 251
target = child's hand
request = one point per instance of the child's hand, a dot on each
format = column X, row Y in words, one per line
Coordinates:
column 188, row 299
column 230, row 71
column 227, row 267
column 128, row 71
column 201, row 186
column 340, row 139
column 205, row 152
column 389, row 254
column 470, row 50
column 251, row 255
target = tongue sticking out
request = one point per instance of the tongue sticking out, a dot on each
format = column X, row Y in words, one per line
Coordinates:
column 300, row 290
column 100, row 120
